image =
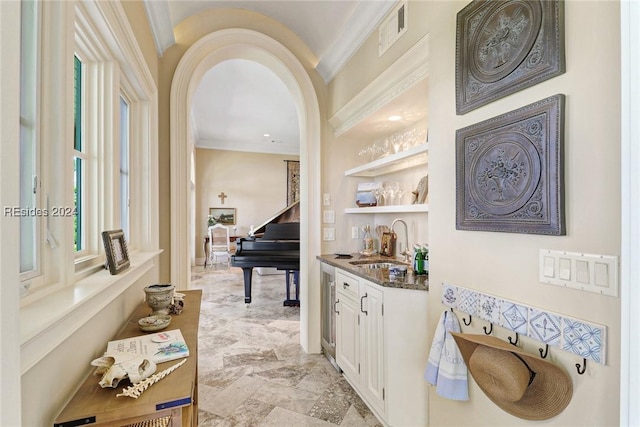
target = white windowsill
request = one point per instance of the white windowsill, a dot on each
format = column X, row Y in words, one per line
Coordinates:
column 45, row 323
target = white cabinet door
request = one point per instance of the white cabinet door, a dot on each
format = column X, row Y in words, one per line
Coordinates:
column 372, row 344
column 348, row 336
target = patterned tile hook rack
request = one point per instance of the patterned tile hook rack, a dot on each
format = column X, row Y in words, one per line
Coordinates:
column 579, row 337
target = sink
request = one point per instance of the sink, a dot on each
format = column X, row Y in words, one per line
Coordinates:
column 376, row 265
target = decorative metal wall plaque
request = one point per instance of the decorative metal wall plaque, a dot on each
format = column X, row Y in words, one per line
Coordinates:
column 509, row 173
column 505, row 46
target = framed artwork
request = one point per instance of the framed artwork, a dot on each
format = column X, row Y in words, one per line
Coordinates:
column 509, row 171
column 225, row 216
column 293, row 181
column 503, row 46
column 115, row 247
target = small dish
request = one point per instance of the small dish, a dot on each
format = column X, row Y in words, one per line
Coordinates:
column 154, row 323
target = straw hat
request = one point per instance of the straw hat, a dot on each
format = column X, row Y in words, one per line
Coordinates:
column 524, row 385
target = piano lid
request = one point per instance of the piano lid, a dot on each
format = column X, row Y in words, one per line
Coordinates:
column 289, row 214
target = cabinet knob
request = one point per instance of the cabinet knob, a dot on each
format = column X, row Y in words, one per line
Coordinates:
column 345, row 285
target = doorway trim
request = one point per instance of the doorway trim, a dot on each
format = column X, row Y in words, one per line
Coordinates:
column 630, row 231
column 210, row 50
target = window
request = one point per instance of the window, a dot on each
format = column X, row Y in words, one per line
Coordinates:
column 79, row 160
column 29, row 178
column 88, row 143
column 124, row 166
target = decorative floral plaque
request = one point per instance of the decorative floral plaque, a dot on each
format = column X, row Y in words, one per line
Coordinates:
column 509, row 171
column 505, row 46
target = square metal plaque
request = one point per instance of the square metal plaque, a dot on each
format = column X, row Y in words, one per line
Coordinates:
column 505, row 46
column 509, row 171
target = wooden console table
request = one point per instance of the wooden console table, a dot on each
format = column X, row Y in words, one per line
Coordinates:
column 170, row 402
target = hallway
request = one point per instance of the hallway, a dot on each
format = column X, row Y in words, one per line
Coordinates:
column 252, row 371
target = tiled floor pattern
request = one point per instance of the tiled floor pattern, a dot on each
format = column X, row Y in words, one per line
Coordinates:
column 251, row 368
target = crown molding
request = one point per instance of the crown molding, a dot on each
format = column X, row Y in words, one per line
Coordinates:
column 160, row 22
column 410, row 68
column 363, row 22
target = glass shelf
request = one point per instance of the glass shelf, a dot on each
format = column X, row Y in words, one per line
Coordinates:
column 414, row 156
column 389, row 209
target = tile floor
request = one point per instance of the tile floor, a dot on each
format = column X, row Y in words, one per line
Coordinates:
column 251, row 368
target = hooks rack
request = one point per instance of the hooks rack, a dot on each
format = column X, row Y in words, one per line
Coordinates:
column 544, row 352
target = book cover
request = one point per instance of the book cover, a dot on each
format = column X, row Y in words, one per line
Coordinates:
column 159, row 347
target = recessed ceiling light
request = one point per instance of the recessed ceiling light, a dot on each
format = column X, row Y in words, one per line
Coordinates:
column 395, row 118
column 266, row 135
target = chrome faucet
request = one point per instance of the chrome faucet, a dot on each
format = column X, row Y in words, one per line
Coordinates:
column 406, row 252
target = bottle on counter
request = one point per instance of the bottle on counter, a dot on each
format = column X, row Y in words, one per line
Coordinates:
column 367, row 240
column 418, row 260
column 425, row 257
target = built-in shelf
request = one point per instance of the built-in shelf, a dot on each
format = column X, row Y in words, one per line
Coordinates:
column 415, row 156
column 389, row 209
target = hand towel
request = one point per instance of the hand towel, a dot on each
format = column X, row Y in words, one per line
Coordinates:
column 446, row 368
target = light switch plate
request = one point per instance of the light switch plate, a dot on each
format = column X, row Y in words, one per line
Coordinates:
column 587, row 272
column 326, row 199
column 328, row 234
column 329, row 217
column 355, row 232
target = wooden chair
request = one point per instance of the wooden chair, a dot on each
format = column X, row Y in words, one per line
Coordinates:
column 219, row 244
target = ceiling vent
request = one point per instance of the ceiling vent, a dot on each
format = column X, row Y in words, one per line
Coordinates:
column 393, row 26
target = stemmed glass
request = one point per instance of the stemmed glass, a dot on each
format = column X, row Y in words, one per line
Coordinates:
column 400, row 192
column 393, row 188
column 378, row 193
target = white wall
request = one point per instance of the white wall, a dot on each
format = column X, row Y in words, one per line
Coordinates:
column 506, row 264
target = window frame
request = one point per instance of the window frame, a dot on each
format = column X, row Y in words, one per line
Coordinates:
column 34, row 126
column 100, row 35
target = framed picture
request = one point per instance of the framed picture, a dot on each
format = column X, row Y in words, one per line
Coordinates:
column 509, row 171
column 115, row 247
column 225, row 216
column 505, row 46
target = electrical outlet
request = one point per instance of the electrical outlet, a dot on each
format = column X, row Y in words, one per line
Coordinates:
column 354, row 232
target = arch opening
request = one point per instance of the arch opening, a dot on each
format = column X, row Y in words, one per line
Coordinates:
column 207, row 52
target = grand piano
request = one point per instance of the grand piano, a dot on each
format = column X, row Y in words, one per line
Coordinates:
column 275, row 244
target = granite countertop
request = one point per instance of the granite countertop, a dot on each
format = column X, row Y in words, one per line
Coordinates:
column 378, row 276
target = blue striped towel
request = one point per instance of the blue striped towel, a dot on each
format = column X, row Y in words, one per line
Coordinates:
column 446, row 368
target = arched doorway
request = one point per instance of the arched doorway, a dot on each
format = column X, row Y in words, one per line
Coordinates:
column 203, row 55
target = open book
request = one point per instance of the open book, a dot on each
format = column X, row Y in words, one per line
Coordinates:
column 159, row 347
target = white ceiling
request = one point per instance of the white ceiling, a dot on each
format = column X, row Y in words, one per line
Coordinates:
column 239, row 101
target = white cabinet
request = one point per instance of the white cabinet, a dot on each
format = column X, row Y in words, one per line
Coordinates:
column 381, row 346
column 348, row 324
column 372, row 345
column 360, row 352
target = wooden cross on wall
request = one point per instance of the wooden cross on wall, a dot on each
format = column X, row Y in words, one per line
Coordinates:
column 222, row 197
